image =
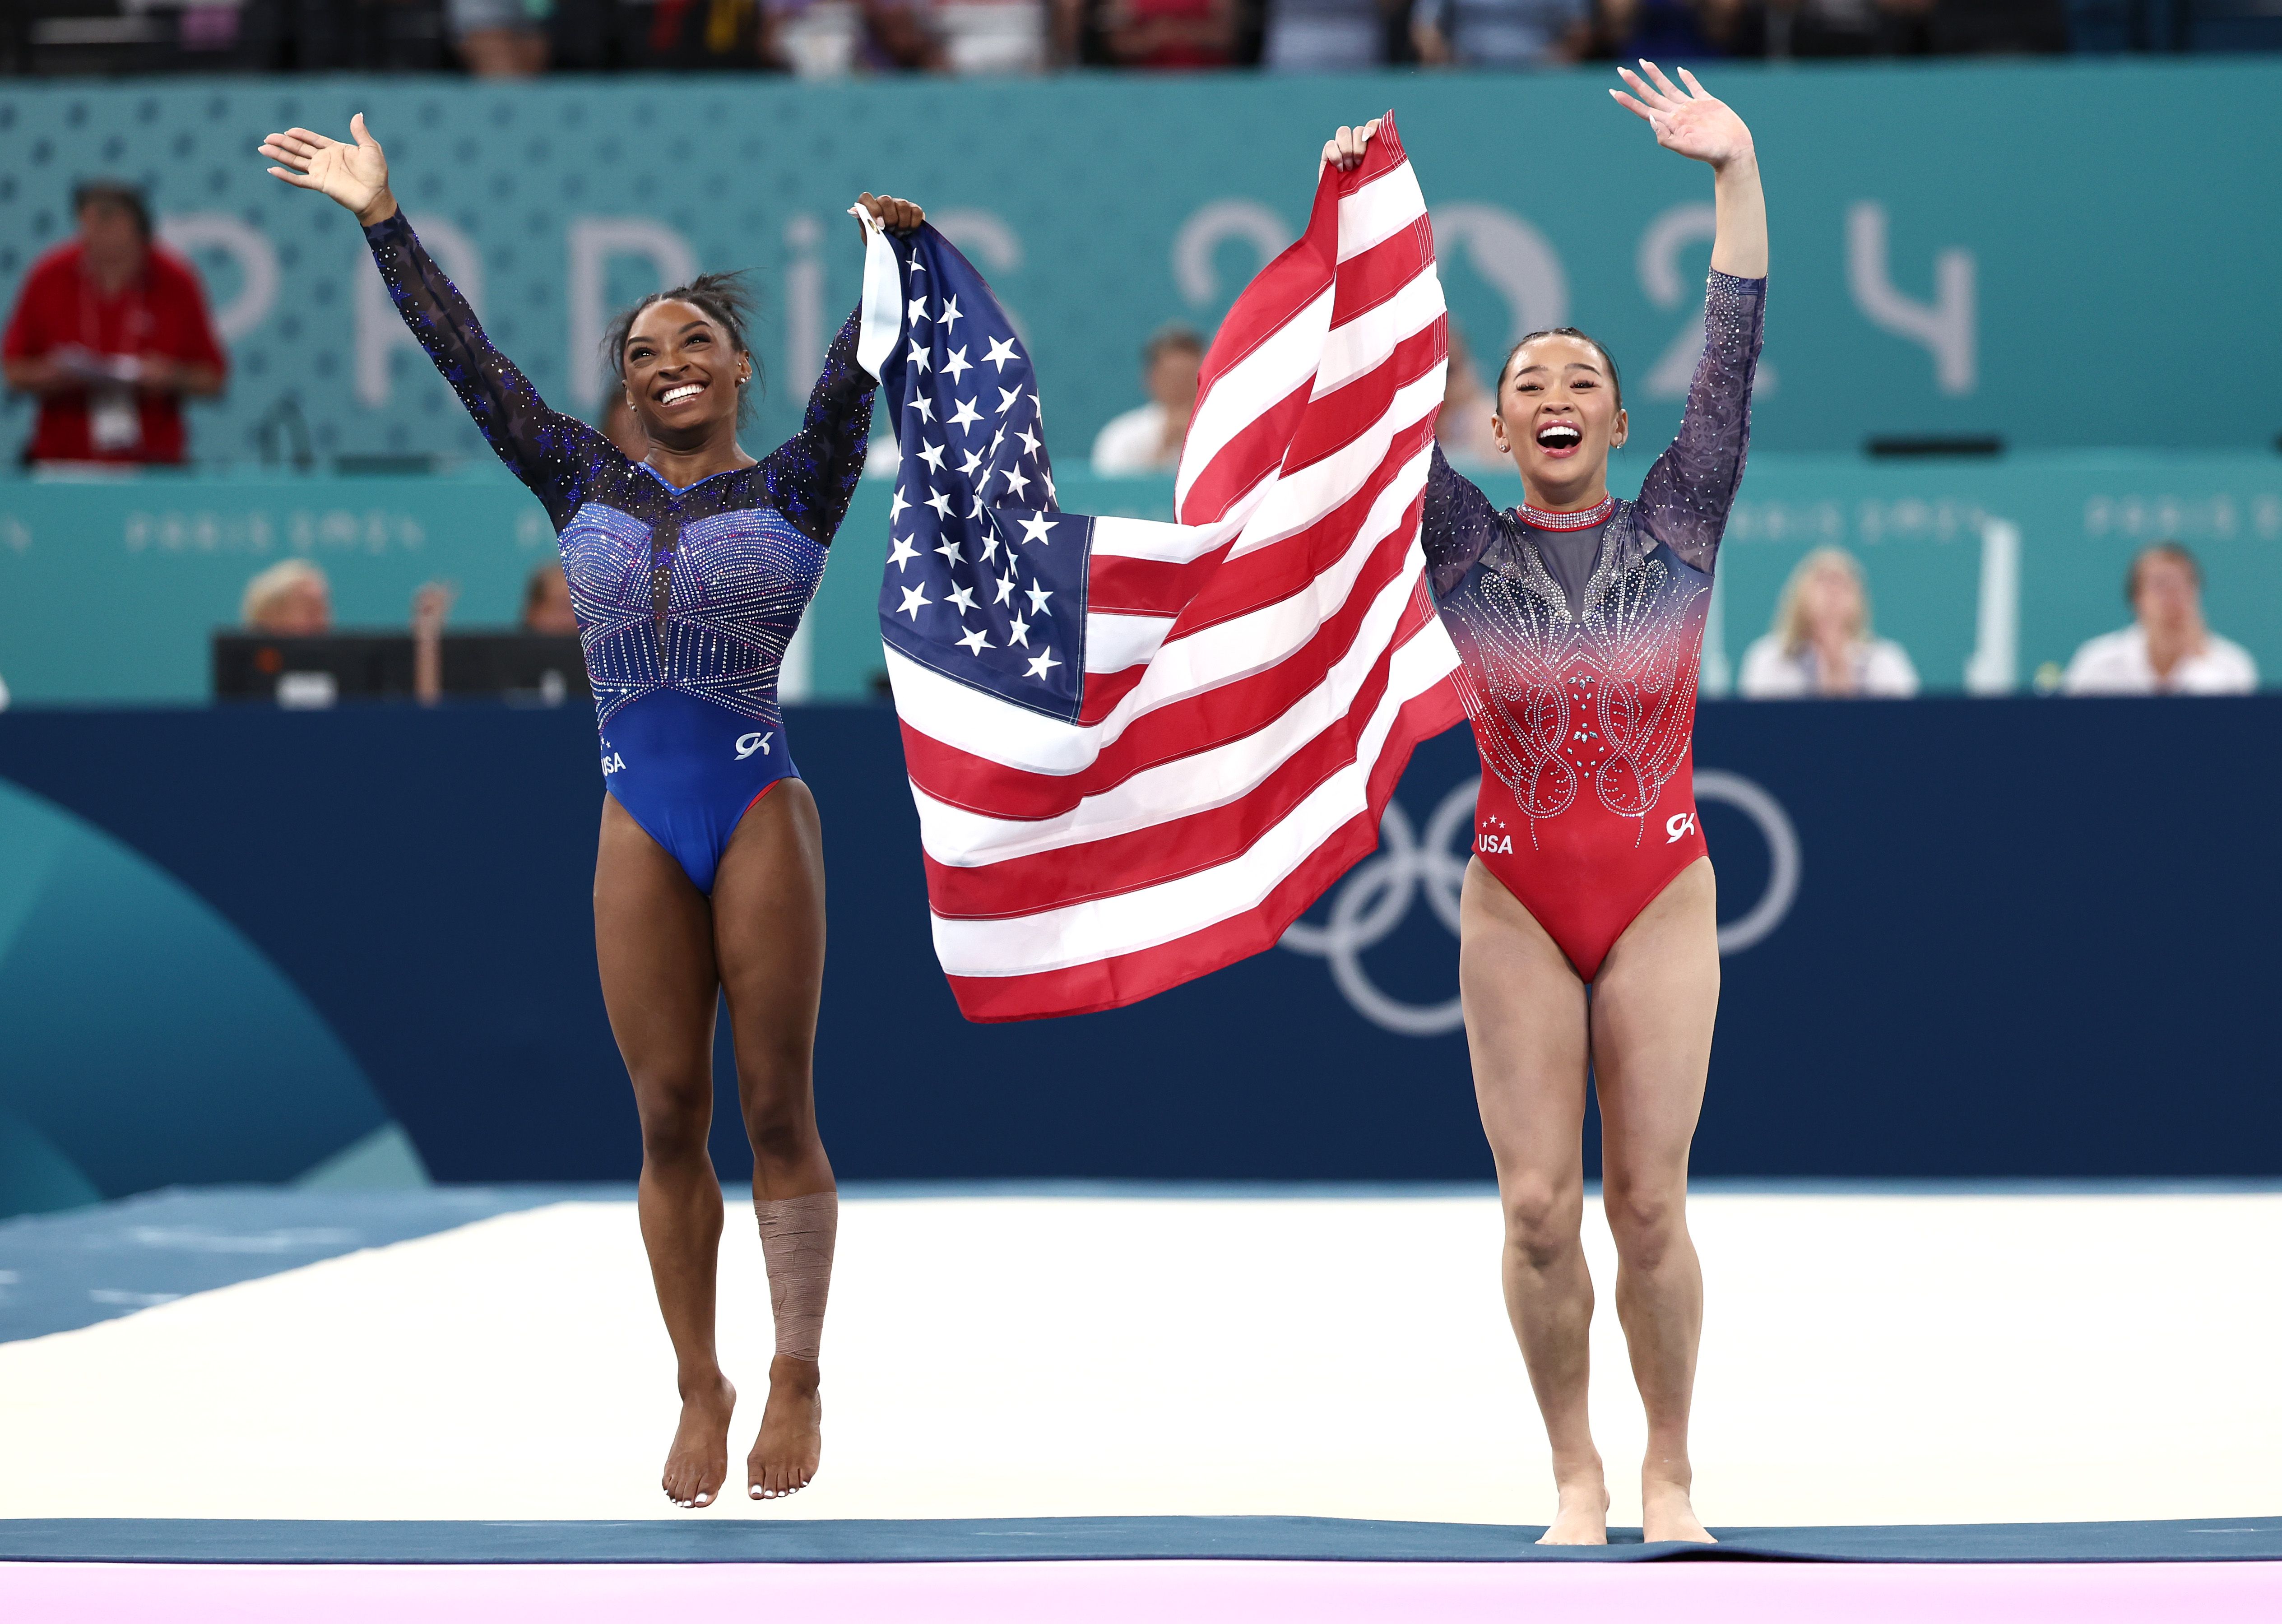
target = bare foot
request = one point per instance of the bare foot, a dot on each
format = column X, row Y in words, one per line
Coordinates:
column 792, row 1431
column 1583, row 1517
column 1667, row 1514
column 699, row 1459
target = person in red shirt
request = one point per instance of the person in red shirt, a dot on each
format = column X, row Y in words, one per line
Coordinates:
column 111, row 333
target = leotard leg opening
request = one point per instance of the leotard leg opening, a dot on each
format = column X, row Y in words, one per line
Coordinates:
column 1586, row 874
column 687, row 772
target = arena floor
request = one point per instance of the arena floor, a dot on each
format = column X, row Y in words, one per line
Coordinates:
column 1870, row 1359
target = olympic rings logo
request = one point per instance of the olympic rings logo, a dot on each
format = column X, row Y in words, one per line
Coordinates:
column 1378, row 893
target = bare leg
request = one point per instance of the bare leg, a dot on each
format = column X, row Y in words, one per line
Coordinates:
column 1526, row 1028
column 654, row 942
column 1653, row 1007
column 768, row 911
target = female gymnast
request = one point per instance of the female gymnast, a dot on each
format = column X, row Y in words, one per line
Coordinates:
column 1588, row 939
column 689, row 571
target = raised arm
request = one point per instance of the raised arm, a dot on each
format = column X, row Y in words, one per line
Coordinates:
column 1456, row 525
column 550, row 451
column 1685, row 499
column 811, row 477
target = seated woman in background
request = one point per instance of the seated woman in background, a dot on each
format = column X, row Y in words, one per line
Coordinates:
column 289, row 599
column 1820, row 642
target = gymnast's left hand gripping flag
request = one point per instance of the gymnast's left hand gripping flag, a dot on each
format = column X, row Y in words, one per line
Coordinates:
column 1140, row 750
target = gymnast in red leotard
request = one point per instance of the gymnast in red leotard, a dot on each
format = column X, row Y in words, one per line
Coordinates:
column 1588, row 947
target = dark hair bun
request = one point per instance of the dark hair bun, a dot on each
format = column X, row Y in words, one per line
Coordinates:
column 724, row 297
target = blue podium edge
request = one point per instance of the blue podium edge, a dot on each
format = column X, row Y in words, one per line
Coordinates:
column 1093, row 1539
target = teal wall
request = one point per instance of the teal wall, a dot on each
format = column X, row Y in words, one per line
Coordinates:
column 2105, row 230
column 109, row 589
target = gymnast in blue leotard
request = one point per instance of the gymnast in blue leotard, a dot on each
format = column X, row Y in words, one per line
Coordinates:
column 689, row 571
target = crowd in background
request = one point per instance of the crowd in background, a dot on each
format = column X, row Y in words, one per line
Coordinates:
column 824, row 38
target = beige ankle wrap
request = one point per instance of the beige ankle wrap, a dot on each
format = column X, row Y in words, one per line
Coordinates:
column 796, row 1237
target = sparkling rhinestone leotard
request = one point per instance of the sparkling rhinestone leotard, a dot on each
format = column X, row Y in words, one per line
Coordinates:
column 686, row 596
column 1580, row 650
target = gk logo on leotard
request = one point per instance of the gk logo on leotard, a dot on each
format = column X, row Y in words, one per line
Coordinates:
column 753, row 742
column 1678, row 828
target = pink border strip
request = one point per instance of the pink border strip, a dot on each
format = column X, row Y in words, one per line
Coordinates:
column 1151, row 1592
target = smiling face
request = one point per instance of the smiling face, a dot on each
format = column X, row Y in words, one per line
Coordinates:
column 1557, row 417
column 682, row 373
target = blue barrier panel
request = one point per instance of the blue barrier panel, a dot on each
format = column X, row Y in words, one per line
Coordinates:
column 1970, row 938
column 1959, row 248
column 108, row 589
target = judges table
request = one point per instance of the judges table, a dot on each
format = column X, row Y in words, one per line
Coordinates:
column 1988, row 939
column 109, row 589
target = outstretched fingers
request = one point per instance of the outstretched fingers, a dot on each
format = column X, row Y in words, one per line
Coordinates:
column 1622, row 100
column 1665, row 85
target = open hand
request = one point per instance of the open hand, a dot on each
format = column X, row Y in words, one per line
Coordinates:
column 1344, row 148
column 1692, row 122
column 354, row 175
column 897, row 214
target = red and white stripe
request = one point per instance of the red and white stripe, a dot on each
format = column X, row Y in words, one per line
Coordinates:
column 1256, row 675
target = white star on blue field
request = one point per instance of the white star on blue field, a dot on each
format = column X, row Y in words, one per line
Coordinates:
column 985, row 577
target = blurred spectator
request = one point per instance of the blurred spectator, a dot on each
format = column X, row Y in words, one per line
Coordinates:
column 1328, row 37
column 501, row 39
column 111, row 331
column 1147, row 439
column 547, row 610
column 899, row 37
column 1671, row 32
column 992, row 36
column 291, row 599
column 1902, row 27
column 680, row 33
column 1464, row 425
column 2168, row 648
column 1500, row 33
column 1820, row 643
column 1152, row 34
column 621, row 427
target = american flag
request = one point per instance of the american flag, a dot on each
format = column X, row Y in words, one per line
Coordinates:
column 1140, row 750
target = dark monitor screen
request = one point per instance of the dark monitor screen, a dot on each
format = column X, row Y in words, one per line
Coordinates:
column 311, row 672
column 518, row 665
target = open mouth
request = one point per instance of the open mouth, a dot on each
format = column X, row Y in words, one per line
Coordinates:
column 1560, row 437
column 680, row 392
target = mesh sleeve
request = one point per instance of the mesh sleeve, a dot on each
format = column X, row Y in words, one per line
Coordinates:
column 1684, row 500
column 551, row 453
column 811, row 477
column 1458, row 524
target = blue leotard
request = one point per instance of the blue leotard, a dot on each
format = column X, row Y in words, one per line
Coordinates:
column 686, row 596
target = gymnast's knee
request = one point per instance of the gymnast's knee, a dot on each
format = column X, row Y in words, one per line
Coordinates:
column 780, row 1109
column 1542, row 1218
column 1647, row 1222
column 675, row 1117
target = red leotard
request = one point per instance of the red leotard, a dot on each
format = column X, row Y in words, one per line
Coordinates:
column 1582, row 693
